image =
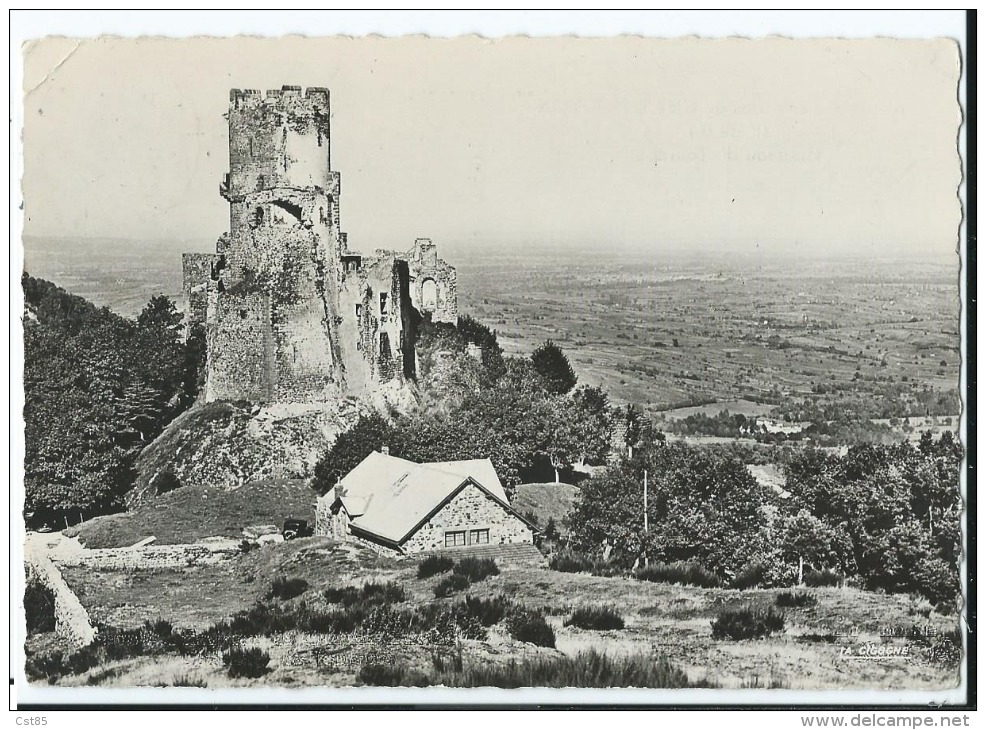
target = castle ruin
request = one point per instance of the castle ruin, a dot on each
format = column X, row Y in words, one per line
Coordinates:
column 290, row 313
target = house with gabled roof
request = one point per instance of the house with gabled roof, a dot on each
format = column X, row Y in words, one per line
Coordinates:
column 399, row 506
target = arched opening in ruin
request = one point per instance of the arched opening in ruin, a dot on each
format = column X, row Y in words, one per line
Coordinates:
column 429, row 295
column 283, row 212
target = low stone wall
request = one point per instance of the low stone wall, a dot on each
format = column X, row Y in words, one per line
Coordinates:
column 71, row 618
column 154, row 557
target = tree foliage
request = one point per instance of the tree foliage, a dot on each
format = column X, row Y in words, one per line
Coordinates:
column 552, row 365
column 97, row 387
column 896, row 508
column 701, row 508
column 513, row 419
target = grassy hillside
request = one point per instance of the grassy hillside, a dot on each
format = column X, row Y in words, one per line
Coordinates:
column 546, row 501
column 191, row 513
column 671, row 621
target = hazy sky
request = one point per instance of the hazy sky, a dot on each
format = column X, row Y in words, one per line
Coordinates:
column 842, row 146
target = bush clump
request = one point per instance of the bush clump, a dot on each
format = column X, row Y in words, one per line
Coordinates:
column 597, row 619
column 476, row 569
column 391, row 675
column 241, row 662
column 751, row 576
column 682, row 572
column 587, row 669
column 39, row 608
column 370, row 594
column 531, row 627
column 569, row 561
column 487, row 611
column 452, row 584
column 795, row 599
column 434, row 565
column 285, row 588
column 747, row 623
column 823, row 578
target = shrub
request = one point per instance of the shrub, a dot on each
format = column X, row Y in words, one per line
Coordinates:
column 241, row 662
column 452, row 584
column 682, row 572
column 476, row 569
column 285, row 588
column 795, row 599
column 247, row 545
column 568, row 561
column 390, row 675
column 434, row 565
column 822, row 578
column 487, row 611
column 747, row 623
column 598, row 619
column 530, row 626
column 39, row 608
column 48, row 666
column 382, row 593
column 370, row 594
column 750, row 577
column 587, row 669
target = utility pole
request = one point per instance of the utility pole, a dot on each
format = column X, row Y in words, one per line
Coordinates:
column 646, row 560
column 645, row 500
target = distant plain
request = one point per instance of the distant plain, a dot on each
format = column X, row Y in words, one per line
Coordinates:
column 663, row 331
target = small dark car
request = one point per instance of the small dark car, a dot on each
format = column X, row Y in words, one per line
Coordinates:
column 296, row 528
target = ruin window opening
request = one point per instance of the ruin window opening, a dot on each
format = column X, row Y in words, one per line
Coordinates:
column 243, row 314
column 384, row 346
column 359, row 311
column 383, row 304
column 293, row 211
column 257, row 218
column 429, row 295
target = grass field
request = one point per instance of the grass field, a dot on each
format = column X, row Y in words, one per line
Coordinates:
column 191, row 513
column 661, row 620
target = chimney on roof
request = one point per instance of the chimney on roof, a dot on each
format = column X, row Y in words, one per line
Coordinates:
column 385, row 450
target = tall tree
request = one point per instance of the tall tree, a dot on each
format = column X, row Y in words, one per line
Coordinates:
column 552, row 365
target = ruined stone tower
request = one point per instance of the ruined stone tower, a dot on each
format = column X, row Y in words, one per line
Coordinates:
column 290, row 313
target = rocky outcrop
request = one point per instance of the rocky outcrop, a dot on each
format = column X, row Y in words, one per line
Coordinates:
column 224, row 445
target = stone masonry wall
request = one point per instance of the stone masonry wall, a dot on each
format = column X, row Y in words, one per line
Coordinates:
column 71, row 618
column 427, row 270
column 154, row 557
column 471, row 509
column 239, row 349
column 196, row 271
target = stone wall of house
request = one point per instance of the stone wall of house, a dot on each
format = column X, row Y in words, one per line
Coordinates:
column 71, row 618
column 471, row 509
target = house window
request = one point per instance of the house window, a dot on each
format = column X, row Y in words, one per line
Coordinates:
column 479, row 537
column 455, row 539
